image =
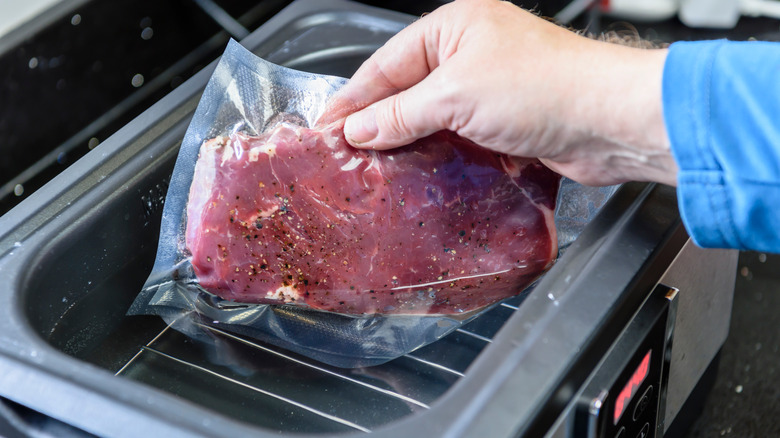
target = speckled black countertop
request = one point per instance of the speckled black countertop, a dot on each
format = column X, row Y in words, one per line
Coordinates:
column 745, row 401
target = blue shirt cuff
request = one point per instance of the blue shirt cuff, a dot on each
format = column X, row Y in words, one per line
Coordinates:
column 721, row 104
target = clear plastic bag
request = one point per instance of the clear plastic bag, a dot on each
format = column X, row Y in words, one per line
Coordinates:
column 283, row 233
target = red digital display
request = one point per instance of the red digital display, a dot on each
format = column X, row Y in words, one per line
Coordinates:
column 628, row 391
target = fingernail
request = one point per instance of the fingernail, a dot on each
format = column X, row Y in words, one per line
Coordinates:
column 361, row 127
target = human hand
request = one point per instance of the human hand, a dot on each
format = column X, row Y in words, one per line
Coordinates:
column 515, row 83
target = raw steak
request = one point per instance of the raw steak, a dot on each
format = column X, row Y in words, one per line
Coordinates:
column 298, row 216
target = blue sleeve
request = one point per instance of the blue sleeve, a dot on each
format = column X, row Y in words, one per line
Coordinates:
column 721, row 103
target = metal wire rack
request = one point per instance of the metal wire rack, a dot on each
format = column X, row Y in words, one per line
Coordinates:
column 272, row 388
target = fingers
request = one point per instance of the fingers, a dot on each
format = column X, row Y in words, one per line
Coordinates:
column 406, row 59
column 402, row 62
column 402, row 118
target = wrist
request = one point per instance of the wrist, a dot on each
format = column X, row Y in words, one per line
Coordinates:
column 619, row 107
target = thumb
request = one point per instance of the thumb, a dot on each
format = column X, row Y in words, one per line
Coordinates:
column 398, row 120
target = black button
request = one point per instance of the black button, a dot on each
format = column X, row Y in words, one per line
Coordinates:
column 621, row 433
column 645, row 432
column 643, row 402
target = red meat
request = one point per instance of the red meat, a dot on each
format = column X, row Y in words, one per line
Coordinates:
column 298, row 216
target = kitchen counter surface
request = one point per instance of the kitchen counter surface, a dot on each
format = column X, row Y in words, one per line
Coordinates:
column 745, row 401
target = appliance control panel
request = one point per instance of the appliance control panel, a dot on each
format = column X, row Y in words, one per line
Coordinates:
column 626, row 392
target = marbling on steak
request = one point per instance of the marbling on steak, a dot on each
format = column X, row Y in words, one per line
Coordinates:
column 297, row 215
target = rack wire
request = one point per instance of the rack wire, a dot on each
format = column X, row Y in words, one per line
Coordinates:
column 270, row 387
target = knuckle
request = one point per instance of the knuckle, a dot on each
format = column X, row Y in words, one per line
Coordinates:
column 452, row 103
column 393, row 120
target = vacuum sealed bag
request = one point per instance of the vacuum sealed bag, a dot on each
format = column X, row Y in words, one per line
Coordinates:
column 276, row 229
